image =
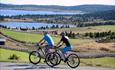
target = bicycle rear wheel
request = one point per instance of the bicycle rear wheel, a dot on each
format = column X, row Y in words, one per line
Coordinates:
column 34, row 57
column 73, row 60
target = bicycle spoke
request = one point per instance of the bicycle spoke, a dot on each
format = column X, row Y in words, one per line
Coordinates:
column 73, row 60
column 34, row 57
column 52, row 59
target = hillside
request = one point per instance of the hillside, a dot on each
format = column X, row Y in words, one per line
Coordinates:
column 85, row 8
column 106, row 15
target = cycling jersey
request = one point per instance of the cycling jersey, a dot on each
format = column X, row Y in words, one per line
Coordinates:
column 49, row 40
column 68, row 46
column 65, row 39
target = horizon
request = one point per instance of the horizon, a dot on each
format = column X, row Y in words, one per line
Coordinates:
column 59, row 2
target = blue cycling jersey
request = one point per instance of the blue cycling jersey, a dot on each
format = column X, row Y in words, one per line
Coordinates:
column 49, row 40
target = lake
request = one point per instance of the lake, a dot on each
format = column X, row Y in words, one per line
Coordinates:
column 30, row 24
column 24, row 12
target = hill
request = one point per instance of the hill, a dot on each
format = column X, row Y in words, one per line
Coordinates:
column 84, row 8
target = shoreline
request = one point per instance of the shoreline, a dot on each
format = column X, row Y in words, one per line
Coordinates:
column 53, row 10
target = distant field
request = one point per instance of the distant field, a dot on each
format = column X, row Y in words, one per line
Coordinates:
column 22, row 36
column 36, row 37
column 89, row 29
column 28, row 37
column 106, row 27
column 83, row 45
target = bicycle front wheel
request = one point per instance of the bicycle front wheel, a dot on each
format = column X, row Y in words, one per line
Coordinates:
column 51, row 59
column 73, row 60
column 34, row 57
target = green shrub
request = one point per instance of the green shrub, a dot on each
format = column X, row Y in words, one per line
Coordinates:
column 104, row 49
column 13, row 57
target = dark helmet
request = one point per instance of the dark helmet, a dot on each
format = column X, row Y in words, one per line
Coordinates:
column 62, row 34
column 45, row 32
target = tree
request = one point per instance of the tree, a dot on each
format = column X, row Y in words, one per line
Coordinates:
column 73, row 35
column 57, row 26
column 86, row 34
column 33, row 28
column 97, row 35
column 91, row 35
column 47, row 27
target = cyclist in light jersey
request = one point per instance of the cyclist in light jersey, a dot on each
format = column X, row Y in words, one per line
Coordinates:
column 47, row 38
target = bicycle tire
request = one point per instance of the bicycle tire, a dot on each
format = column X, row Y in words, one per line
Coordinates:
column 49, row 59
column 59, row 59
column 78, row 60
column 38, row 56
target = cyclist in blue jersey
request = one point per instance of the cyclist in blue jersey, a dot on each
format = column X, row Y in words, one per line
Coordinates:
column 47, row 38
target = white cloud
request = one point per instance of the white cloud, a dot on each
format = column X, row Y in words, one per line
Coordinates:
column 59, row 2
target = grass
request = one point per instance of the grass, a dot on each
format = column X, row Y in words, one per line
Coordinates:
column 83, row 45
column 102, row 62
column 36, row 37
column 22, row 36
column 106, row 27
column 28, row 37
column 5, row 54
column 23, row 57
column 78, row 44
column 89, row 29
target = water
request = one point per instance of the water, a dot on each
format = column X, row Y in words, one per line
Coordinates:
column 30, row 24
column 23, row 12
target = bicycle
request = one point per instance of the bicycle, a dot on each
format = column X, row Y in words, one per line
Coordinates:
column 72, row 59
column 35, row 56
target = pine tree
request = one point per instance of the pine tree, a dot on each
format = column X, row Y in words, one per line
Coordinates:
column 91, row 35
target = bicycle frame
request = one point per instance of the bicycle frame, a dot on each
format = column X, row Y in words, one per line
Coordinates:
column 44, row 54
column 42, row 50
column 57, row 50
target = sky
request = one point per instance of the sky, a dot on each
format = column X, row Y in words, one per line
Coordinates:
column 59, row 2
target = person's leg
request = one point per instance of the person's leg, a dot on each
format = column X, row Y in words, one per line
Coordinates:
column 47, row 48
column 64, row 51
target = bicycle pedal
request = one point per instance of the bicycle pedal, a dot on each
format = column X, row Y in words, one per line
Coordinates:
column 66, row 60
column 62, row 59
column 44, row 60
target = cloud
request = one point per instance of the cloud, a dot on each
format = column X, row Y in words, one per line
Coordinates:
column 59, row 2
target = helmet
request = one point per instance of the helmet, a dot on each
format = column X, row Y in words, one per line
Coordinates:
column 62, row 34
column 45, row 32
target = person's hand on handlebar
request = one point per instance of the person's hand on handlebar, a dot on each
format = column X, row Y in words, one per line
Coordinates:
column 37, row 44
column 57, row 46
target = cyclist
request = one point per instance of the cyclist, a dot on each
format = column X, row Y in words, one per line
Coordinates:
column 47, row 38
column 64, row 40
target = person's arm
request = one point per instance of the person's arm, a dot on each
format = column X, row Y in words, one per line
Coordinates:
column 58, row 43
column 40, row 41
